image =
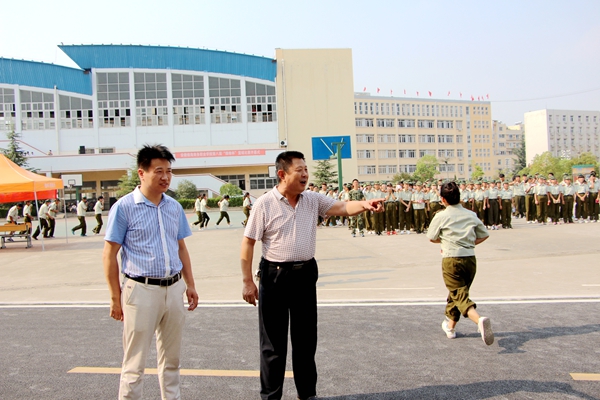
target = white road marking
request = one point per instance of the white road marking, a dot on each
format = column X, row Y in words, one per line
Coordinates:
column 345, row 303
column 391, row 288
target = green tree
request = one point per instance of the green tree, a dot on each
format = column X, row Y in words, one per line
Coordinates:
column 325, row 172
column 426, row 168
column 477, row 172
column 230, row 189
column 186, row 189
column 128, row 182
column 402, row 176
column 519, row 152
column 546, row 162
column 14, row 151
column 583, row 159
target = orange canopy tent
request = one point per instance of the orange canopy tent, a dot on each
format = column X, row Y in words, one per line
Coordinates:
column 19, row 184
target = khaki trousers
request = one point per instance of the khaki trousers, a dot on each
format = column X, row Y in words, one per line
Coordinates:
column 458, row 274
column 150, row 309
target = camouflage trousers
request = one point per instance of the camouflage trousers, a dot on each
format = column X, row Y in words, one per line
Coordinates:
column 358, row 221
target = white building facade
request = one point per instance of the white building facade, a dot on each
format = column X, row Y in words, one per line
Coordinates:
column 564, row 133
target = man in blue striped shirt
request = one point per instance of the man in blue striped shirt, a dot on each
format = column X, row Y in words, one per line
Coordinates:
column 149, row 228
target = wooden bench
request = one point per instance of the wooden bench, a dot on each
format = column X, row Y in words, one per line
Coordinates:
column 18, row 231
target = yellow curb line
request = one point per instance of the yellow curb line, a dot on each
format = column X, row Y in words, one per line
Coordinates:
column 584, row 377
column 183, row 372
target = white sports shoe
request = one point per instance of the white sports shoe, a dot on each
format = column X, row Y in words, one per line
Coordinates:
column 485, row 328
column 450, row 333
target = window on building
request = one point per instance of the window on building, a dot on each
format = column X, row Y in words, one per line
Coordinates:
column 225, row 100
column 262, row 181
column 150, row 98
column 386, row 138
column 406, row 138
column 423, row 153
column 445, row 138
column 188, row 99
column 75, row 112
column 459, row 153
column 365, row 138
column 365, row 153
column 426, row 138
column 406, row 123
column 113, row 99
column 425, row 123
column 37, row 110
column 443, row 124
column 388, row 169
column 364, row 122
column 445, row 153
column 387, row 154
column 7, row 109
column 367, row 169
column 261, row 101
column 385, row 123
column 410, row 168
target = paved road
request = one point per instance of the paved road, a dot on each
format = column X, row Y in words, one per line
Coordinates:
column 375, row 352
column 381, row 306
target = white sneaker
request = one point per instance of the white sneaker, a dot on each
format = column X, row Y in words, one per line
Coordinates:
column 528, row 222
column 485, row 328
column 450, row 333
column 408, row 232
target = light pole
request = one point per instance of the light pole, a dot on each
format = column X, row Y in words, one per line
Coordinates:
column 338, row 153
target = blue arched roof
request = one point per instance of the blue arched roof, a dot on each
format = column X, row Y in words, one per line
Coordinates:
column 162, row 57
column 42, row 75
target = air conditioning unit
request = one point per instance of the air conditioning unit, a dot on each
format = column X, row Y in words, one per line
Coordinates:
column 283, row 143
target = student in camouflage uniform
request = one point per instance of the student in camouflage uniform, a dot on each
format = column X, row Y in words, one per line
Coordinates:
column 581, row 195
column 518, row 197
column 530, row 209
column 357, row 223
column 479, row 201
column 404, row 209
column 493, row 205
column 377, row 218
column 391, row 217
column 541, row 200
column 367, row 214
column 418, row 205
column 568, row 192
column 593, row 204
column 506, row 195
column 554, row 201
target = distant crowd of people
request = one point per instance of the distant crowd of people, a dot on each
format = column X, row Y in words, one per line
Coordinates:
column 410, row 206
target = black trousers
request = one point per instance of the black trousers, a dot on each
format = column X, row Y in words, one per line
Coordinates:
column 287, row 296
column 43, row 223
column 205, row 220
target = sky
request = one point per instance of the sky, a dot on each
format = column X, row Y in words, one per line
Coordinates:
column 525, row 55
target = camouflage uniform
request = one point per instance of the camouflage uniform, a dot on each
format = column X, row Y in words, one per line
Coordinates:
column 358, row 221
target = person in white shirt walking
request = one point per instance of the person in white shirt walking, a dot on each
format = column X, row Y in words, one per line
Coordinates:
column 81, row 210
column 203, row 207
column 12, row 217
column 198, row 209
column 98, row 208
column 224, row 207
column 247, row 206
column 43, row 226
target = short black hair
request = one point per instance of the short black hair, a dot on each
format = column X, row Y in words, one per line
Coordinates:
column 149, row 153
column 100, row 197
column 284, row 160
column 450, row 192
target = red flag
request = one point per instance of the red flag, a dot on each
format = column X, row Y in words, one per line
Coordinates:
column 429, row 93
column 404, row 91
column 461, row 95
column 417, row 93
column 487, row 96
column 391, row 92
column 377, row 90
column 478, row 98
column 365, row 89
column 448, row 93
column 472, row 98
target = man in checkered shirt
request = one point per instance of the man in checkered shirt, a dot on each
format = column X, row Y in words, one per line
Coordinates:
column 285, row 220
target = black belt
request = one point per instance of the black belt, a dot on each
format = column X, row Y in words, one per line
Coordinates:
column 293, row 265
column 568, row 195
column 156, row 281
